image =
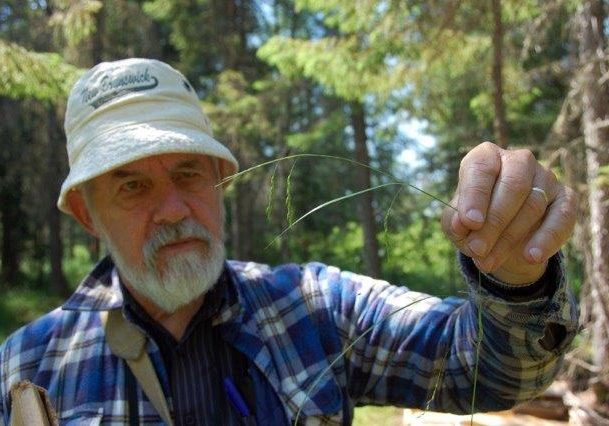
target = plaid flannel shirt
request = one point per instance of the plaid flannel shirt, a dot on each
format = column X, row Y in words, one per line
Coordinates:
column 292, row 322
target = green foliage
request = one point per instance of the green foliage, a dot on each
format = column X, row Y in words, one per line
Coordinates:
column 384, row 28
column 42, row 76
column 337, row 63
column 75, row 20
column 342, row 247
column 419, row 256
column 416, row 255
column 208, row 35
column 324, row 135
column 20, row 306
column 367, row 48
column 345, row 15
column 237, row 112
column 186, row 26
column 77, row 264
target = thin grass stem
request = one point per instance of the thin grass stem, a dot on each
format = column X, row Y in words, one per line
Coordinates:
column 269, row 206
column 288, row 197
column 478, row 344
column 327, row 203
column 334, row 157
column 386, row 218
column 438, row 379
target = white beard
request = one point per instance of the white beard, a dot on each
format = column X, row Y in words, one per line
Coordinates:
column 185, row 276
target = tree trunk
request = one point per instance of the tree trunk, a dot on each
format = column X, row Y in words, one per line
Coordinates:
column 241, row 226
column 242, row 208
column 11, row 245
column 499, row 120
column 372, row 262
column 97, row 39
column 595, row 102
column 11, row 191
column 58, row 279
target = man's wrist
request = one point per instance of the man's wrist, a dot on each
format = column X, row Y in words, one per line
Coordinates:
column 499, row 287
column 544, row 286
column 526, row 275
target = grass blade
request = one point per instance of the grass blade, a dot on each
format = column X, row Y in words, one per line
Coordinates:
column 269, row 206
column 327, row 203
column 478, row 344
column 230, row 178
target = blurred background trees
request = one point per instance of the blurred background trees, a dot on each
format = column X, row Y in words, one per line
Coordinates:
column 406, row 87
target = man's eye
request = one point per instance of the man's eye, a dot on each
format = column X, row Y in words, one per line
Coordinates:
column 189, row 175
column 132, row 186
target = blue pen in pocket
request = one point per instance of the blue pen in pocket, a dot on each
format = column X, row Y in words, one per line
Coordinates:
column 235, row 397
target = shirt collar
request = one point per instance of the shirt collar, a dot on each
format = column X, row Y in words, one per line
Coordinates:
column 98, row 291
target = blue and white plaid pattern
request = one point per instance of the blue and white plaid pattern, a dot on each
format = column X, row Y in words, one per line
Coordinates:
column 292, row 322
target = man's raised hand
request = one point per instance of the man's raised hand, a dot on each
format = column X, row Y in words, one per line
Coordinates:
column 512, row 213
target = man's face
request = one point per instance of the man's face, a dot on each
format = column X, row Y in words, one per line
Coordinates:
column 162, row 220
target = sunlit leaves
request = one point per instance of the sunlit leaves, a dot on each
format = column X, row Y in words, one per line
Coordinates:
column 159, row 9
column 319, row 135
column 340, row 64
column 235, row 112
column 369, row 47
column 75, row 19
column 25, row 74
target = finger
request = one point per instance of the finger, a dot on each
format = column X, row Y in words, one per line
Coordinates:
column 527, row 220
column 460, row 231
column 451, row 225
column 510, row 193
column 454, row 230
column 556, row 228
column 447, row 215
column 477, row 175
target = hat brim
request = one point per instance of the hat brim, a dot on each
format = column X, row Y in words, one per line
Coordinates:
column 133, row 142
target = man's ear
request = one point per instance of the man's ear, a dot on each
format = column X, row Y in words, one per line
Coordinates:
column 80, row 211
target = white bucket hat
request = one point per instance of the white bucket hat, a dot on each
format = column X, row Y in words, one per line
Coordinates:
column 119, row 112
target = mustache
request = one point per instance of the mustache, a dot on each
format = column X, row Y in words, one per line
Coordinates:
column 171, row 233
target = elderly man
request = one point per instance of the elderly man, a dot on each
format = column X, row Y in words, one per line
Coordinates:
column 166, row 330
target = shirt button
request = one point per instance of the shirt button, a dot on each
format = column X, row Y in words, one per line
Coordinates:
column 189, row 419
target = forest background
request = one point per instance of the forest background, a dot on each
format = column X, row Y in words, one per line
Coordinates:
column 406, row 87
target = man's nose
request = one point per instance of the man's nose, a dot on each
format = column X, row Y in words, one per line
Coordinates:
column 171, row 206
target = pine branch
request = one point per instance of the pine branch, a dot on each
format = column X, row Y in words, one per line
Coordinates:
column 26, row 74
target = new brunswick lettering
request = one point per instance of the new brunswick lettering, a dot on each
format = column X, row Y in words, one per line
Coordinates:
column 111, row 87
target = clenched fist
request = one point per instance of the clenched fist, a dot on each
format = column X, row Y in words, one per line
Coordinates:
column 511, row 213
